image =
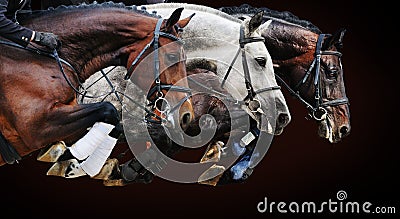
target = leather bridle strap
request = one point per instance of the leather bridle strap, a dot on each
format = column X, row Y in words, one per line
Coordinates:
column 336, row 102
column 168, row 87
column 156, row 55
column 154, row 42
column 317, row 70
column 242, row 42
column 158, row 85
column 247, row 79
column 230, row 67
column 293, row 92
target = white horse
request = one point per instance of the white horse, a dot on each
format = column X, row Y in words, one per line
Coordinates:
column 213, row 36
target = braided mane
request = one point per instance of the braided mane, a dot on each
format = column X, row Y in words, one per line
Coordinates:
column 269, row 13
column 94, row 5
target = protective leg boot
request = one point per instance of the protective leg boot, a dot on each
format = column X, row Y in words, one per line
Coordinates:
column 130, row 172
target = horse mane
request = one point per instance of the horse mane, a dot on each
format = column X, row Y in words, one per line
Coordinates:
column 94, row 5
column 201, row 8
column 282, row 15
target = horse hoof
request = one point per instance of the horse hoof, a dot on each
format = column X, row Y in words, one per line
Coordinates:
column 213, row 152
column 52, row 153
column 67, row 169
column 212, row 175
column 107, row 170
column 114, row 182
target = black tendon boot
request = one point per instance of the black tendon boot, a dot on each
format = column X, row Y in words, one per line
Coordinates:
column 134, row 171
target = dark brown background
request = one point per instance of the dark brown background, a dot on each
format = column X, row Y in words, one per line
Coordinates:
column 299, row 166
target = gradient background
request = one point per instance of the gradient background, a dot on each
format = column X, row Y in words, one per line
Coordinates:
column 299, row 166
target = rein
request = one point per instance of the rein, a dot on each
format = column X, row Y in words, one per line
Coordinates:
column 319, row 110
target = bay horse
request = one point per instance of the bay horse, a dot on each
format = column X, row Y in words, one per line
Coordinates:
column 308, row 63
column 39, row 88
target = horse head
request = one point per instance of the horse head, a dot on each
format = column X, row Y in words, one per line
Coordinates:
column 324, row 90
column 162, row 71
column 309, row 65
column 335, row 124
column 292, row 44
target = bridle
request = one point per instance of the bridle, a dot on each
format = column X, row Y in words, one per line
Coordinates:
column 159, row 87
column 251, row 93
column 318, row 112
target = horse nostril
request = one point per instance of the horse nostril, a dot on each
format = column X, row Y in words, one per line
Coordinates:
column 344, row 130
column 185, row 120
column 281, row 122
column 283, row 118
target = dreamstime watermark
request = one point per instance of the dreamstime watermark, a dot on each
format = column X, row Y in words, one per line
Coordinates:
column 338, row 205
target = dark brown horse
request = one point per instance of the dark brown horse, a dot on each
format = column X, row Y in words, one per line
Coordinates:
column 308, row 63
column 38, row 105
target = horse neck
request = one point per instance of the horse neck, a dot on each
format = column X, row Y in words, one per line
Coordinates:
column 292, row 49
column 95, row 39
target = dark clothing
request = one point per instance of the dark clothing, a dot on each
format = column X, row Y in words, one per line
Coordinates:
column 8, row 28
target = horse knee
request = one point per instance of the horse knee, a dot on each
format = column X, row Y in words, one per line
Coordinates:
column 110, row 114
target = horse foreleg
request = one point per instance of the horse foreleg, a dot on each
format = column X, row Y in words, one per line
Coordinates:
column 82, row 148
column 88, row 154
column 92, row 165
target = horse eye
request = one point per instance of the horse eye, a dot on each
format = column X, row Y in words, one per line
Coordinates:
column 172, row 58
column 261, row 61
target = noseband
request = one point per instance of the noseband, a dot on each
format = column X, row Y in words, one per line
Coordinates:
column 158, row 86
column 251, row 93
column 318, row 112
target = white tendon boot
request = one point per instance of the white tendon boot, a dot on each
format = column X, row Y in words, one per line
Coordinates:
column 88, row 144
column 93, row 164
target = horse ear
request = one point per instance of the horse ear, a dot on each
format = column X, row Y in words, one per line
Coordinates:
column 264, row 27
column 174, row 18
column 336, row 39
column 340, row 35
column 182, row 23
column 256, row 21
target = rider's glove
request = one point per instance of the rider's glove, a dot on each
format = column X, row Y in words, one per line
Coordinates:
column 49, row 40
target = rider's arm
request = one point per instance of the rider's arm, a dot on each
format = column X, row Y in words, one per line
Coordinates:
column 13, row 31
